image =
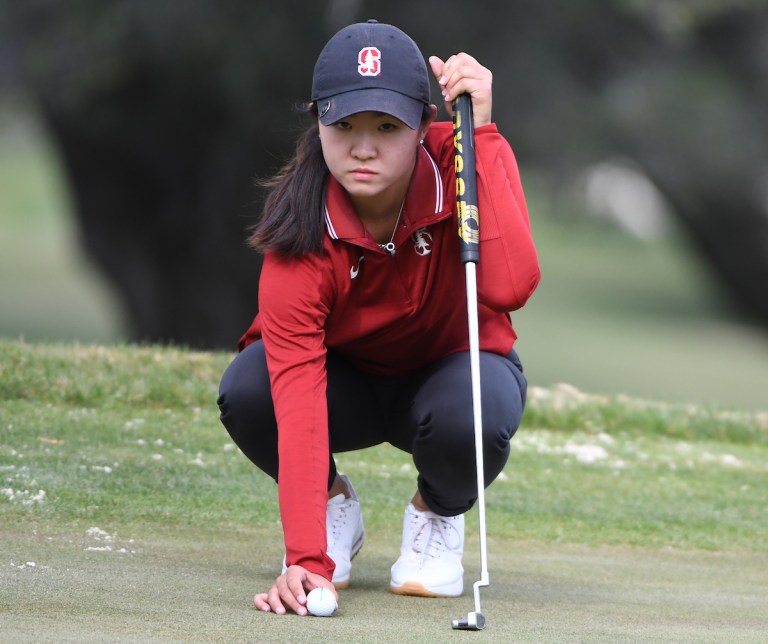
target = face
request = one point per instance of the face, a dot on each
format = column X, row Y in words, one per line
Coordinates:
column 372, row 155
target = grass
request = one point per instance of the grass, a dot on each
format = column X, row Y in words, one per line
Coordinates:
column 615, row 519
column 127, row 515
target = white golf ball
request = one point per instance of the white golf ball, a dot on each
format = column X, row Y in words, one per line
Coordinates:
column 321, row 602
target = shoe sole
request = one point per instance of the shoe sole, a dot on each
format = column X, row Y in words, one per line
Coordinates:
column 415, row 589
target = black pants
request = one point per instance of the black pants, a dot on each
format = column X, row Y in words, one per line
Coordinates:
column 427, row 414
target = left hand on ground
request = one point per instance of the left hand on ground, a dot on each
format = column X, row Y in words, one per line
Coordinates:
column 289, row 592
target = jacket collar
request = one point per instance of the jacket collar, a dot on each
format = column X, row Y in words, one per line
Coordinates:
column 424, row 203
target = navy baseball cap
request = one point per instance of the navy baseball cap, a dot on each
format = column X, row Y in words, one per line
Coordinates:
column 371, row 66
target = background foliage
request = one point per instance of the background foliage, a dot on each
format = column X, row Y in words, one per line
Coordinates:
column 157, row 117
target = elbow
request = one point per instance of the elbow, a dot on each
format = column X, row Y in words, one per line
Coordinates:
column 532, row 283
column 504, row 296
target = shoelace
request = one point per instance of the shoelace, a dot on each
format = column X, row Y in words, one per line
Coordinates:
column 432, row 536
column 338, row 514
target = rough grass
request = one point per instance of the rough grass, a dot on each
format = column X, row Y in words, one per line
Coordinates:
column 126, row 513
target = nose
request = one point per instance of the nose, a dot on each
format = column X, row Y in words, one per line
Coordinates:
column 364, row 147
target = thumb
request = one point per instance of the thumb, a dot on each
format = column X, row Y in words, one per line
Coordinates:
column 437, row 66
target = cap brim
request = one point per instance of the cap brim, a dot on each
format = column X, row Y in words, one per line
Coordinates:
column 402, row 107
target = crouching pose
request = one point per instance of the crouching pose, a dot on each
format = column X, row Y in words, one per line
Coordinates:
column 361, row 336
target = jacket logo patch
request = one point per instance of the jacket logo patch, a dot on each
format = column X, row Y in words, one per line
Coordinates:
column 369, row 61
column 422, row 242
column 355, row 270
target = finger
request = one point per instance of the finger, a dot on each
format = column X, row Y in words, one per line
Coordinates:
column 317, row 581
column 291, row 589
column 462, row 73
column 445, row 72
column 273, row 599
column 296, row 598
column 474, row 88
column 437, row 66
column 458, row 65
column 261, row 603
column 444, row 75
column 474, row 82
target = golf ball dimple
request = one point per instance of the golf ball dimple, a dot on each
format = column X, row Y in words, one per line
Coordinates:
column 321, row 602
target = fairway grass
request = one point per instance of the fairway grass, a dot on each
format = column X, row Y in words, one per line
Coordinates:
column 195, row 585
column 126, row 515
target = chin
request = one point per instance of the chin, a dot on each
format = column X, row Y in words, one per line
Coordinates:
column 356, row 190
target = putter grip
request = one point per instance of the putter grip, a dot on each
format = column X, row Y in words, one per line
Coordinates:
column 466, row 179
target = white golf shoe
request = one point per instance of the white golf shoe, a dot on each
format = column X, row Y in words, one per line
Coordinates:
column 345, row 533
column 430, row 556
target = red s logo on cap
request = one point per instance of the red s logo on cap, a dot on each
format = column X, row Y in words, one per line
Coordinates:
column 369, row 61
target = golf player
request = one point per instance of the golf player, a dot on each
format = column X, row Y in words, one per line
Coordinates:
column 361, row 336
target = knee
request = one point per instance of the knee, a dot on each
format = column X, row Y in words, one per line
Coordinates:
column 237, row 399
column 502, row 411
column 503, row 397
column 244, row 391
column 455, row 431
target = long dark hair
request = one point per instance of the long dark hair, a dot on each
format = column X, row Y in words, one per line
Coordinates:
column 292, row 220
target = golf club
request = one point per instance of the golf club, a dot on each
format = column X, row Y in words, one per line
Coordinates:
column 469, row 242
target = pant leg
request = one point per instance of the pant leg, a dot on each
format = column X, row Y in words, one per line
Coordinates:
column 439, row 428
column 355, row 413
column 245, row 403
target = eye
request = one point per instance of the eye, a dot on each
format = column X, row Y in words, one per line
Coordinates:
column 343, row 125
column 388, row 127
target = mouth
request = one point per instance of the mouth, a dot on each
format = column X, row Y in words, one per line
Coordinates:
column 362, row 174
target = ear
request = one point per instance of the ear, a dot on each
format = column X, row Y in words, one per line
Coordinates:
column 427, row 121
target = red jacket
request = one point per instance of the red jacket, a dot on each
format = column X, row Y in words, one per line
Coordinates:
column 388, row 315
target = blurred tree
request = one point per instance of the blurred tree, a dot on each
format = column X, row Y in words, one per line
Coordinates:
column 694, row 114
column 164, row 112
column 678, row 86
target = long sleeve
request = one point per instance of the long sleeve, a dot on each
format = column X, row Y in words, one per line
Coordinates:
column 293, row 312
column 508, row 270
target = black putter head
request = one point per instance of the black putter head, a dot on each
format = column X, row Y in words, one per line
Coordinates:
column 473, row 622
